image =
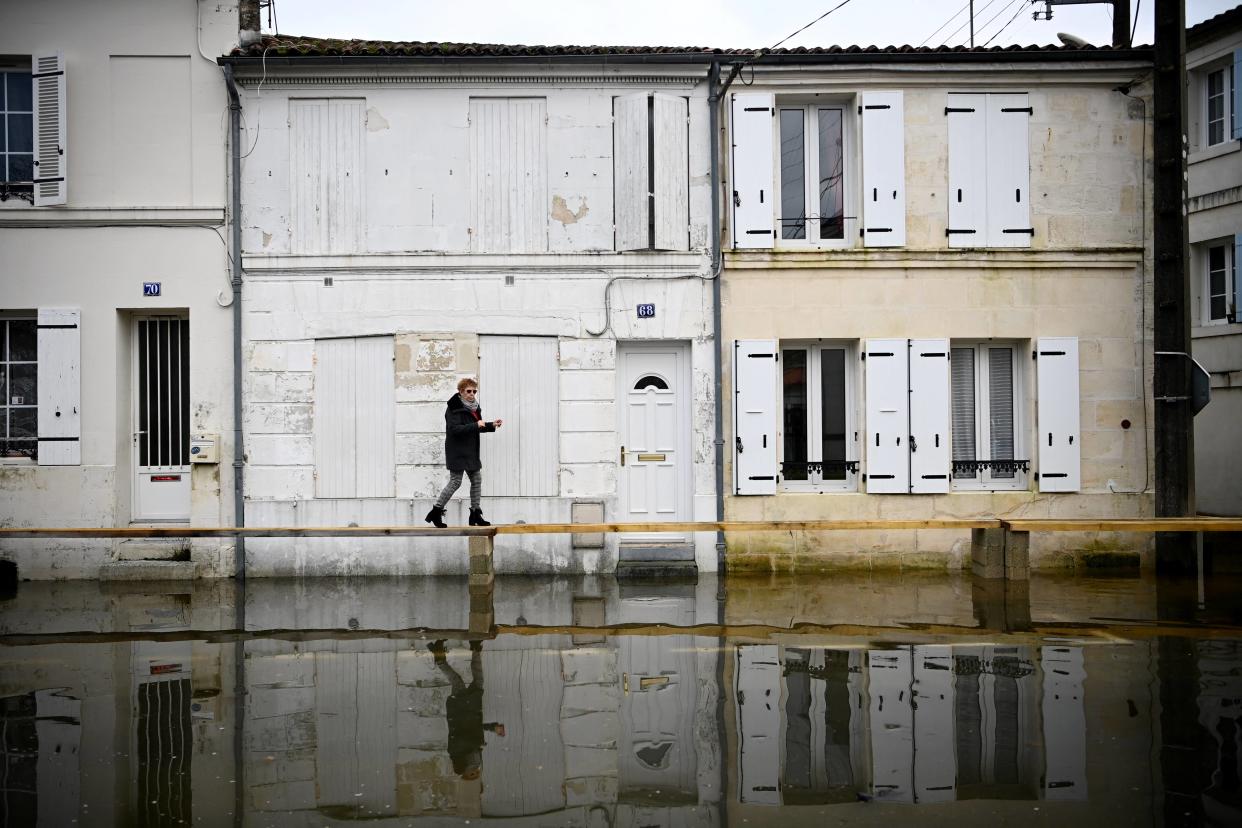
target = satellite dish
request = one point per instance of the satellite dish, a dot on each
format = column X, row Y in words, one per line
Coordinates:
column 1072, row 40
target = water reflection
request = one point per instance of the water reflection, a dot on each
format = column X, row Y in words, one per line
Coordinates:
column 598, row 703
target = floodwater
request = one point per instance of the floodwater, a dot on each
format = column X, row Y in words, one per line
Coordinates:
column 591, row 702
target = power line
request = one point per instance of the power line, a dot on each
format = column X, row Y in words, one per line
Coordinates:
column 1138, row 6
column 967, row 23
column 945, row 23
column 999, row 12
column 809, row 25
column 1007, row 24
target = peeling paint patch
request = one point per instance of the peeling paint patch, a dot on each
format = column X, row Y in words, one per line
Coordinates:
column 267, row 239
column 562, row 213
column 375, row 121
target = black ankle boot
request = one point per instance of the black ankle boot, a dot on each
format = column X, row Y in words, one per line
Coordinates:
column 436, row 518
column 476, row 518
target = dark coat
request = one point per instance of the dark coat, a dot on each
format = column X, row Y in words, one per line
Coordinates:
column 461, row 436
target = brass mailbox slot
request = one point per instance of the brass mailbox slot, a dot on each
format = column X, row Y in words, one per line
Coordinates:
column 652, row 681
column 651, row 458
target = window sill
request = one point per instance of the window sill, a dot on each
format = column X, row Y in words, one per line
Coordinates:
column 1219, row 329
column 1214, row 151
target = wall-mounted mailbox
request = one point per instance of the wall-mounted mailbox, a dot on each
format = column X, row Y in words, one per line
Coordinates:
column 205, row 448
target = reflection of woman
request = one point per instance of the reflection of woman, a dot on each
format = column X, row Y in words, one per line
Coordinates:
column 463, row 423
column 464, row 711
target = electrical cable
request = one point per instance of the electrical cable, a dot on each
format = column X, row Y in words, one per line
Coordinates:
column 945, row 23
column 1138, row 5
column 956, row 31
column 1016, row 15
column 809, row 25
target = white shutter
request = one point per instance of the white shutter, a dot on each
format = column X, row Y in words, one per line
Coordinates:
column 671, row 171
column 1057, row 385
column 375, row 406
column 759, row 723
column 1236, row 297
column 888, row 420
column 508, row 175
column 631, row 200
column 1009, row 171
column 967, row 170
column 754, row 416
column 930, row 459
column 327, row 167
column 59, row 354
column 1237, row 93
column 884, row 169
column 753, row 191
column 51, row 172
column 1064, row 723
column 519, row 382
column 335, row 418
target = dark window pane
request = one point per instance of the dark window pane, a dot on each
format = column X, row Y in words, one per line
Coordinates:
column 19, row 97
column 1218, row 307
column 4, row 391
column 831, row 176
column 1216, row 258
column 832, row 403
column 793, row 174
column 795, row 398
column 1000, row 400
column 22, row 340
column 21, row 168
column 21, row 133
column 963, row 380
column 23, row 387
column 23, row 423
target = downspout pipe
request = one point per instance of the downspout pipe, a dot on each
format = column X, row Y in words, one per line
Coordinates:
column 239, row 505
column 715, row 93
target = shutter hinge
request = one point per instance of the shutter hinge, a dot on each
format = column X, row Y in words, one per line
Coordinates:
column 949, row 109
column 877, row 106
column 1029, row 231
column 1027, row 109
column 948, row 231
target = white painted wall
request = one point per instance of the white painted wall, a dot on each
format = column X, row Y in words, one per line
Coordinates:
column 146, row 202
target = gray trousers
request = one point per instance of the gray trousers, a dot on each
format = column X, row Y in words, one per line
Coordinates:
column 454, row 483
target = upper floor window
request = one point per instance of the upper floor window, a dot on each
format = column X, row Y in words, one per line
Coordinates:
column 989, row 170
column 16, row 134
column 651, row 169
column 327, row 168
column 1219, row 116
column 508, row 175
column 1220, row 297
column 793, row 180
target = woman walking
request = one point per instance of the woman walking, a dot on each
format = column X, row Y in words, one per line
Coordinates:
column 463, row 423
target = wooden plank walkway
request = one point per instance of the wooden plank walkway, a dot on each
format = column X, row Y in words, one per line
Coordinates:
column 1143, row 525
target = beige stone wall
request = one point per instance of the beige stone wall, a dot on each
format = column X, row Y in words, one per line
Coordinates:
column 1087, row 275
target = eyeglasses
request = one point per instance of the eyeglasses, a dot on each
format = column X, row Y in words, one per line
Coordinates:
column 471, row 391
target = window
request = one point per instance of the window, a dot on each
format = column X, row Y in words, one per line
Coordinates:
column 1220, row 298
column 16, row 135
column 19, row 401
column 327, row 154
column 819, row 449
column 1219, row 114
column 989, row 170
column 793, row 176
column 651, row 172
column 508, row 175
column 986, row 414
column 812, row 177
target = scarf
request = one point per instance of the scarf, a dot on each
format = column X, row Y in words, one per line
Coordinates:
column 471, row 405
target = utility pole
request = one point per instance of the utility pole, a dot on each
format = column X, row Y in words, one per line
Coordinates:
column 972, row 24
column 1121, row 16
column 1174, row 419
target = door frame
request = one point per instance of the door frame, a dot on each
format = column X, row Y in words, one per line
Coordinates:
column 685, row 469
column 134, row 453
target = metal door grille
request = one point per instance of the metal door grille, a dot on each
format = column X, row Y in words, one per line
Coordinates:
column 164, row 751
column 163, row 392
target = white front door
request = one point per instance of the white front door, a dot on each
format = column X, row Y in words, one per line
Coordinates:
column 161, row 419
column 654, row 430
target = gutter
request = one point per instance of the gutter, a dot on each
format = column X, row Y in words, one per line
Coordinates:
column 239, row 505
column 715, row 93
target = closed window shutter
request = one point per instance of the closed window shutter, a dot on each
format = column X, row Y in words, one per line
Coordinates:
column 929, row 416
column 51, row 176
column 1057, row 412
column 754, row 416
column 670, row 172
column 631, row 198
column 752, row 170
column 967, row 170
column 888, row 419
column 1008, row 171
column 1237, row 93
column 59, row 386
column 1237, row 268
column 962, row 369
column 327, row 157
column 354, row 428
column 375, row 407
column 884, row 169
column 519, row 378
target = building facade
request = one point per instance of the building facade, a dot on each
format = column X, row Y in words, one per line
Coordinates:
column 537, row 219
column 114, row 297
column 1213, row 104
column 937, row 298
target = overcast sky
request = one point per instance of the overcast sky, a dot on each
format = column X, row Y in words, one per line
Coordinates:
column 723, row 23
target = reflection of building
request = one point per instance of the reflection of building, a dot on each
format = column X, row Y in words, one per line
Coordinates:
column 912, row 724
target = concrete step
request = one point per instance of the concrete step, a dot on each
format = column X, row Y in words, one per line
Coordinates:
column 152, row 549
column 147, row 571
column 655, row 552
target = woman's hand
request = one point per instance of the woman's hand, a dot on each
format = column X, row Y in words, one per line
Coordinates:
column 499, row 422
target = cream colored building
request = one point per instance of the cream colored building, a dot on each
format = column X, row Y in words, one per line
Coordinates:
column 936, row 300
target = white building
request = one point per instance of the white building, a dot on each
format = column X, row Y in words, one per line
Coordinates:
column 114, row 290
column 1214, row 115
column 537, row 218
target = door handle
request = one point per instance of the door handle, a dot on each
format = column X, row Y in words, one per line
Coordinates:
column 623, row 456
column 914, row 446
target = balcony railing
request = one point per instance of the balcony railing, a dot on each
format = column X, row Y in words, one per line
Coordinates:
column 973, row 467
